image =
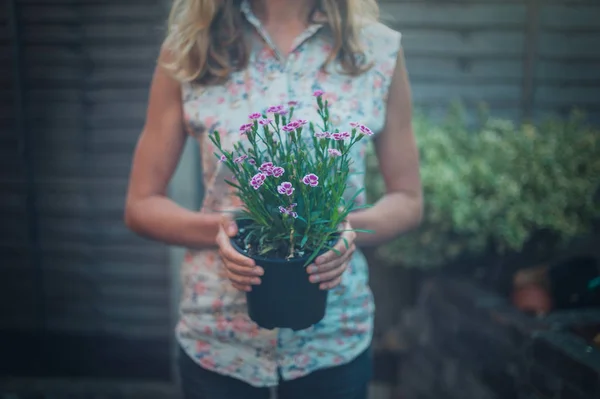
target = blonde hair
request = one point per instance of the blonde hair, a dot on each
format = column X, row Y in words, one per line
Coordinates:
column 205, row 38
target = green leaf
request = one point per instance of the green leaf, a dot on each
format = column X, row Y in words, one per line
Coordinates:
column 303, row 242
column 346, row 244
column 232, row 184
column 266, row 249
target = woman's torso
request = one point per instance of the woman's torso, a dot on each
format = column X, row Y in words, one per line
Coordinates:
column 214, row 328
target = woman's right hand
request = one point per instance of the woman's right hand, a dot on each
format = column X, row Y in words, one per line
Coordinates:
column 241, row 270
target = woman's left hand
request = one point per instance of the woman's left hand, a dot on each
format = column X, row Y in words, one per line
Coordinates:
column 328, row 268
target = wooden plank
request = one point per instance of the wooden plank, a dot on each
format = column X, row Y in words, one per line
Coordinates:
column 571, row 96
column 90, row 34
column 11, row 164
column 64, row 99
column 130, row 272
column 17, row 294
column 68, row 324
column 109, row 312
column 83, row 165
column 13, row 201
column 79, row 186
column 571, row 46
column 481, row 43
column 87, row 288
column 13, row 229
column 85, row 203
column 543, row 113
column 58, row 232
column 83, row 142
column 465, row 69
column 434, row 15
column 86, row 12
column 92, row 253
column 571, row 17
column 103, row 76
column 567, row 72
column 103, row 55
column 118, row 138
column 442, row 92
column 438, row 112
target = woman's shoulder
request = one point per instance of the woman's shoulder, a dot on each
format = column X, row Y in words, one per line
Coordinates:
column 377, row 36
column 381, row 43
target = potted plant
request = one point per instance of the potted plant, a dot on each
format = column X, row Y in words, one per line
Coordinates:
column 284, row 171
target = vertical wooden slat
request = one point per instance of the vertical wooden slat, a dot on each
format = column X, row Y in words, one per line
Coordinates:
column 26, row 144
column 532, row 32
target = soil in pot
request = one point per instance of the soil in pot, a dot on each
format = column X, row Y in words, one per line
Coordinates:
column 285, row 298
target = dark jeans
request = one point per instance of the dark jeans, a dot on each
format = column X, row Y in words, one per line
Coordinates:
column 349, row 381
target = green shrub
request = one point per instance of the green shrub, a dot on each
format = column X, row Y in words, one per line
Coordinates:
column 492, row 188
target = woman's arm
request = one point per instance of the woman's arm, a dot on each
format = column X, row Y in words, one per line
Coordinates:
column 148, row 210
column 400, row 209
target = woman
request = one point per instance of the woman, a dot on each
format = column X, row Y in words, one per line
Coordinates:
column 223, row 59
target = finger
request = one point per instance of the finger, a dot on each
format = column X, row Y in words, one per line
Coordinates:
column 243, row 270
column 330, row 274
column 332, row 264
column 245, row 288
column 341, row 246
column 242, row 280
column 229, row 226
column 229, row 253
column 331, row 284
column 332, row 270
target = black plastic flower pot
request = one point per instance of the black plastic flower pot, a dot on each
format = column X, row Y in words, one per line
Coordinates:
column 285, row 298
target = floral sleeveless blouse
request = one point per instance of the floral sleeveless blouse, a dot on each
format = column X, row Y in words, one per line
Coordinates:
column 214, row 328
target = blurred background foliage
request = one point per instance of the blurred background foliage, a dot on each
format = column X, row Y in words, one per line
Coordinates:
column 491, row 187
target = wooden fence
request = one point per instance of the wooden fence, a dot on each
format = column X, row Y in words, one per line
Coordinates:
column 524, row 58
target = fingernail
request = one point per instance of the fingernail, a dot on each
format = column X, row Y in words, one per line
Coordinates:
column 314, row 279
column 256, row 281
column 259, row 270
column 312, row 269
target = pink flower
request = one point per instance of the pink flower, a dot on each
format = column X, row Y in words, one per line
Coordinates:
column 365, row 130
column 282, row 111
column 254, row 115
column 264, row 122
column 290, row 127
column 245, row 128
column 240, row 159
column 322, row 135
column 257, row 180
column 292, row 103
column 288, row 211
column 223, row 158
column 252, row 161
column 293, row 125
column 274, row 109
column 340, row 136
column 318, row 93
column 334, row 153
column 278, row 171
column 285, row 188
column 311, row 180
column 267, row 168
